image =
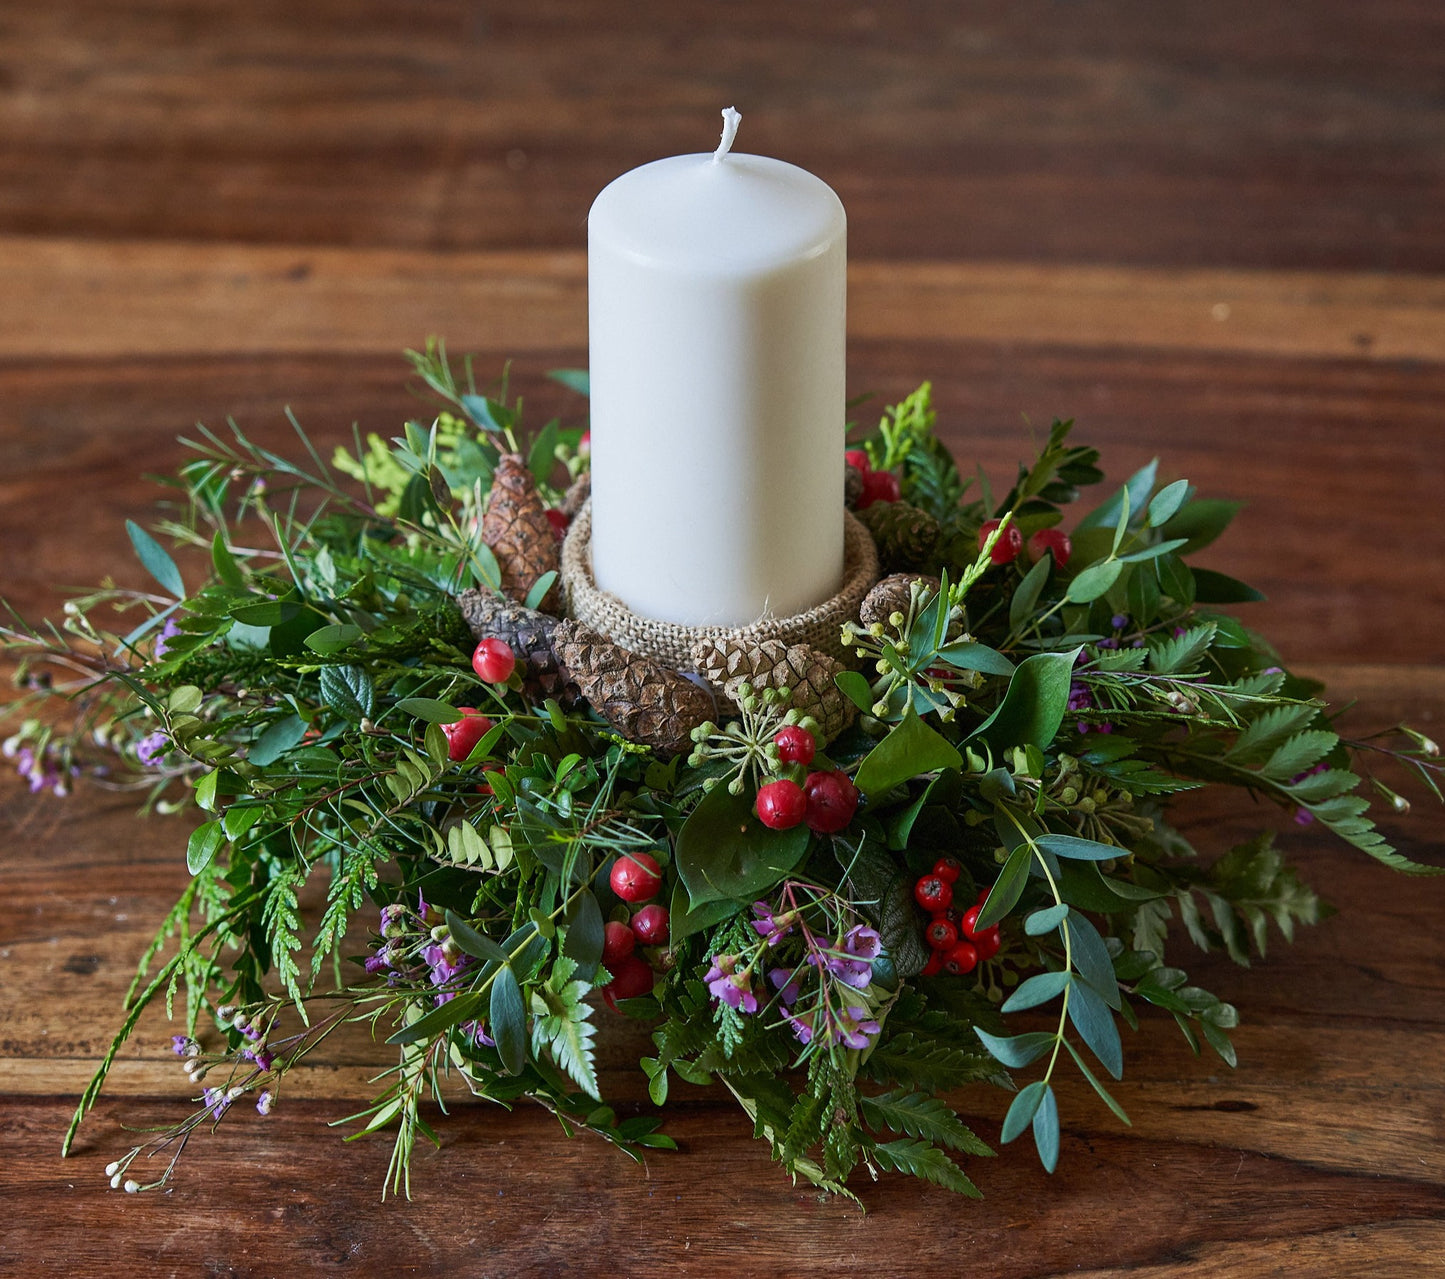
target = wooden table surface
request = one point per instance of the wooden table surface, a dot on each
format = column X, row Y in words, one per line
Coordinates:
column 1212, row 232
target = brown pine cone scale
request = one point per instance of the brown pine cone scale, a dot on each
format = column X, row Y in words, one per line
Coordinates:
column 764, row 664
column 642, row 699
column 516, row 527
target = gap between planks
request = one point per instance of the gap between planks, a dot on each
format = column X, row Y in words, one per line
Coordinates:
column 76, row 298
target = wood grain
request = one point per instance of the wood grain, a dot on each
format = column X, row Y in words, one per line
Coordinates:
column 75, row 298
column 1215, row 234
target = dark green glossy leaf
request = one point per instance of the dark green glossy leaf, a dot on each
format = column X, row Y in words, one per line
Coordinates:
column 684, row 919
column 205, row 842
column 910, row 748
column 477, row 945
column 1218, row 588
column 586, row 932
column 277, row 738
column 1034, row 706
column 348, row 691
column 461, row 1008
column 429, row 709
column 507, row 1019
column 724, row 851
column 855, row 688
column 332, row 639
column 1008, row 888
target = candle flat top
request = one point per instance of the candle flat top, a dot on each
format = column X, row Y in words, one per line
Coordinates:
column 692, row 212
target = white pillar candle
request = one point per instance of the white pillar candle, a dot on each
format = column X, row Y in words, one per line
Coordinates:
column 717, row 299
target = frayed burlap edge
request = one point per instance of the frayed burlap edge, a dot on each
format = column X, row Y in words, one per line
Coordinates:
column 671, row 644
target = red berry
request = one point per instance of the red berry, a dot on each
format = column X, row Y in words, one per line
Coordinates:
column 1051, row 541
column 1007, row 547
column 795, row 745
column 933, row 893
column 559, row 521
column 463, row 734
column 969, row 922
column 879, row 486
column 636, row 877
column 948, row 869
column 584, row 445
column 988, row 942
column 618, row 941
column 963, row 958
column 983, row 893
column 494, row 661
column 941, row 934
column 781, row 805
column 832, row 801
column 650, row 925
column 858, row 459
column 632, row 978
column 934, row 964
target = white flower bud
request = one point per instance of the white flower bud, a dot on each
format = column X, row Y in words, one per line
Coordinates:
column 1429, row 747
column 115, row 1182
column 131, row 1187
column 1401, row 804
column 112, row 1168
column 234, row 1093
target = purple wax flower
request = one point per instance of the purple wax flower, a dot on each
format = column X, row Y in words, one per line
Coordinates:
column 181, row 1045
column 802, row 1026
column 477, row 1032
column 151, row 747
column 788, row 984
column 770, row 927
column 265, row 1101
column 168, row 632
column 855, row 1027
column 217, row 1100
column 1119, row 621
column 853, row 962
column 732, row 988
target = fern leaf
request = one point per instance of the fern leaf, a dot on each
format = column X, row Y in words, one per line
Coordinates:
column 1268, row 730
column 1298, row 753
column 919, row 1159
column 916, row 1114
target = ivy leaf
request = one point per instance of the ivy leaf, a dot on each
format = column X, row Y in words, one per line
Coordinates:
column 724, row 851
column 508, row 1020
column 910, row 748
column 156, row 559
column 348, row 691
column 1034, row 705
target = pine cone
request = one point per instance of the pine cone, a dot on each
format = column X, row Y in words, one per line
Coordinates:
column 641, row 699
column 905, row 535
column 892, row 595
column 577, row 493
column 852, row 486
column 773, row 664
column 516, row 527
column 529, row 634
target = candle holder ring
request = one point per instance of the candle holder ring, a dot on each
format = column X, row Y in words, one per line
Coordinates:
column 672, row 643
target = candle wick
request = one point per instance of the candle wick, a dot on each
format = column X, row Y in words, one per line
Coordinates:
column 732, row 117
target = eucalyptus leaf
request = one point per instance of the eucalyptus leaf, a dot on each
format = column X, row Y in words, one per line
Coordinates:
column 478, row 945
column 1036, row 990
column 156, row 559
column 1019, row 1050
column 1046, row 1130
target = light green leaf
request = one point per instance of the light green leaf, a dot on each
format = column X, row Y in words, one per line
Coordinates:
column 205, row 842
column 1094, row 581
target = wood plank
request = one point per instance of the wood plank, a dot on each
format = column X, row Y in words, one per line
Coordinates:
column 1233, row 134
column 481, row 1203
column 75, row 298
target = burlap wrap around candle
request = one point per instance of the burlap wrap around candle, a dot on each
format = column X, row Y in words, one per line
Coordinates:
column 671, row 644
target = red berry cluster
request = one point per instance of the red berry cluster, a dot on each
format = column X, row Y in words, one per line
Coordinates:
column 1047, row 541
column 826, row 800
column 957, row 942
column 878, row 486
column 636, row 878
